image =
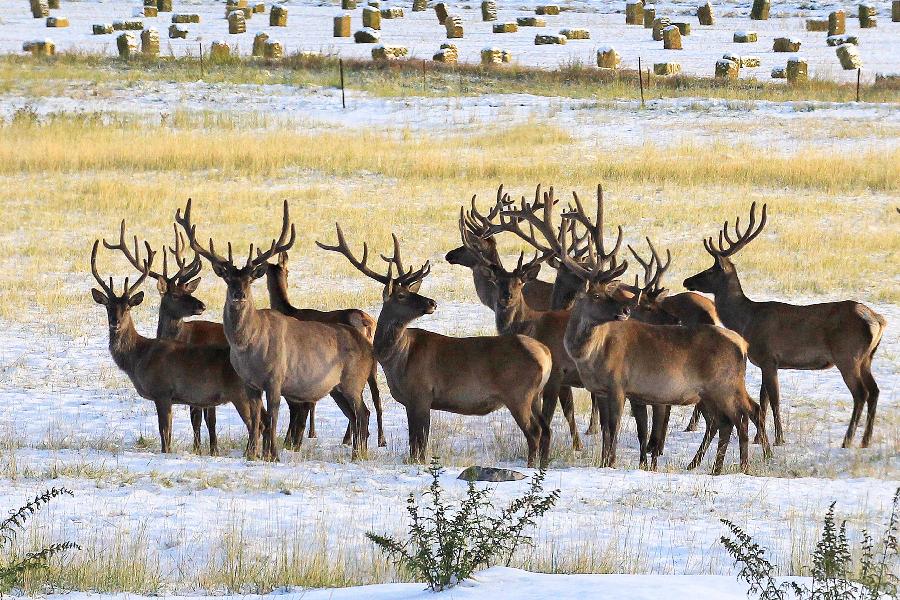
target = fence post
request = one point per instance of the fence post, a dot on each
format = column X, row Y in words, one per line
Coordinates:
column 343, row 96
column 201, row 59
column 641, row 80
column 858, row 73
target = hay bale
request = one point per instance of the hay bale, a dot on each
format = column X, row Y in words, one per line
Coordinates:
column 366, row 36
column 392, row 12
column 783, row 44
column 817, row 24
column 634, row 12
column 164, row 5
column 895, row 11
column 236, row 22
column 40, row 9
column 530, row 22
column 259, row 8
column 797, row 70
column 440, row 10
column 133, row 25
column 684, row 28
column 150, row 43
column 53, row 4
column 177, row 32
column 492, row 56
column 342, row 25
column 649, row 15
column 374, row 4
column 420, row 5
column 727, row 69
column 745, row 37
column 837, row 23
column 150, row 3
column 454, row 25
column 274, row 50
column 259, row 44
column 778, row 73
column 371, row 17
column 448, row 53
column 671, row 38
column 44, row 47
column 547, row 39
column 849, row 56
column 278, row 16
column 608, row 58
column 505, row 27
column 57, row 22
column 575, row 34
column 705, row 13
column 350, row 4
column 742, row 61
column 659, row 23
column 101, row 28
column 837, row 40
column 219, row 51
column 389, row 52
column 185, row 18
column 867, row 16
column 760, row 10
column 126, row 43
column 151, row 11
column 547, row 9
column 666, row 68
column 488, row 10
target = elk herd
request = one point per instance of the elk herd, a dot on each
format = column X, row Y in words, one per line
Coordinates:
column 590, row 328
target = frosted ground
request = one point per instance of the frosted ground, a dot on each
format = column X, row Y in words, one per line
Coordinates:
column 310, row 28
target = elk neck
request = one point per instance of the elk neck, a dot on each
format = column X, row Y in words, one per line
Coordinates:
column 241, row 321
column 391, row 342
column 582, row 335
column 732, row 304
column 124, row 343
column 484, row 288
column 168, row 327
column 515, row 318
column 276, row 282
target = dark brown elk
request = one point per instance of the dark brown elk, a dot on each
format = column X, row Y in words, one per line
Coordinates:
column 788, row 336
column 470, row 376
column 170, row 372
column 176, row 303
column 276, row 282
column 282, row 356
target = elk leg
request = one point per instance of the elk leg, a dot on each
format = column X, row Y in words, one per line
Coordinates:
column 567, row 402
column 249, row 413
column 725, row 428
column 743, row 441
column 376, row 400
column 530, row 427
column 291, row 437
column 763, row 409
column 853, row 380
column 770, row 381
column 694, row 420
column 312, row 421
column 760, row 428
column 710, row 419
column 357, row 413
column 639, row 412
column 419, row 422
column 546, row 431
column 196, row 421
column 594, row 426
column 164, row 417
column 871, row 401
column 273, row 402
column 615, row 404
column 209, row 414
column 660, row 428
column 348, row 434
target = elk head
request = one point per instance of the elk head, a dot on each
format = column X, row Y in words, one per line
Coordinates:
column 118, row 307
column 400, row 294
column 650, row 309
column 238, row 279
column 720, row 276
column 478, row 235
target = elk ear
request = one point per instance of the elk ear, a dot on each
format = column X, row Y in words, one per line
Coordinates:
column 415, row 286
column 485, row 272
column 282, row 260
column 661, row 294
column 136, row 299
column 162, row 286
column 532, row 272
column 554, row 262
column 388, row 290
column 191, row 286
column 99, row 297
column 619, row 293
column 218, row 269
column 259, row 271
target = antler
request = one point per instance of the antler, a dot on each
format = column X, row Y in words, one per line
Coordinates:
column 479, row 256
column 743, row 238
column 191, row 231
column 653, row 269
column 186, row 270
column 342, row 248
column 107, row 289
column 133, row 258
column 127, row 290
column 282, row 244
column 595, row 229
column 484, row 226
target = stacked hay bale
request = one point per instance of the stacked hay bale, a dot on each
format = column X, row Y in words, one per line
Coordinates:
column 57, row 22
column 848, row 55
column 659, row 23
column 447, row 54
column 44, row 47
column 126, row 44
column 233, row 5
column 505, row 27
column 342, row 25
column 745, row 37
column 53, row 4
column 634, row 12
column 164, row 5
column 666, row 68
column 150, row 43
column 705, row 13
column 392, row 12
column 608, row 58
column 259, row 44
column 867, row 16
column 274, row 50
column 649, row 16
column 278, row 16
column 348, row 4
column 454, row 26
column 259, row 8
column 778, row 73
column 495, row 56
column 530, row 22
column 366, row 35
column 371, row 17
column 488, row 10
column 420, row 5
column 389, row 52
column 150, row 8
column 549, row 39
column 783, row 44
column 101, row 28
column 219, row 51
column 177, row 32
column 727, row 69
column 547, row 9
column 760, row 10
column 128, row 25
column 671, row 38
column 895, row 11
column 817, row 24
column 797, row 70
column 185, row 18
column 237, row 23
column 742, row 61
column 575, row 34
column 40, row 9
column 837, row 23
column 684, row 28
column 440, row 10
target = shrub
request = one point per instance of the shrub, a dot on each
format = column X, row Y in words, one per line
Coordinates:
column 833, row 575
column 446, row 544
column 11, row 573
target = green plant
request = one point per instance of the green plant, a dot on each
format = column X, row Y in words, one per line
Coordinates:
column 446, row 544
column 832, row 570
column 12, row 572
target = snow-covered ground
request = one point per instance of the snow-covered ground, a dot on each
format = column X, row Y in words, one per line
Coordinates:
column 310, row 28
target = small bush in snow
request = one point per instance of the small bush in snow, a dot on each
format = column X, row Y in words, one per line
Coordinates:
column 11, row 573
column 832, row 571
column 446, row 544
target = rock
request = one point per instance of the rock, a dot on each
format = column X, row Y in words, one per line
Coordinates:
column 837, row 23
column 608, row 58
column 848, row 54
column 488, row 10
column 530, row 22
column 547, row 9
column 797, row 70
column 57, row 22
column 278, row 17
column 150, row 43
column 666, row 68
column 389, row 52
column 454, row 26
column 659, row 23
column 745, row 37
column 505, row 27
column 102, row 28
column 371, row 17
column 392, row 12
column 867, row 16
column 783, row 44
column 126, row 44
column 634, row 12
column 259, row 44
column 491, row 474
column 837, row 40
column 366, row 36
column 817, row 24
column 575, row 34
column 177, row 32
column 727, row 69
column 760, row 10
column 671, row 38
column 705, row 13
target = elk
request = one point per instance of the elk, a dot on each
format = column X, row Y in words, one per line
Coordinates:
column 427, row 371
column 170, row 372
column 276, row 282
column 788, row 336
column 177, row 302
column 280, row 355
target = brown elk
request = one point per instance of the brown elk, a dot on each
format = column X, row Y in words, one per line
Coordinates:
column 788, row 336
column 276, row 282
column 471, row 376
column 168, row 371
column 177, row 302
column 282, row 356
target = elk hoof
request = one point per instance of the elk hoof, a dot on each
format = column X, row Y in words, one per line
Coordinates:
column 382, row 443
